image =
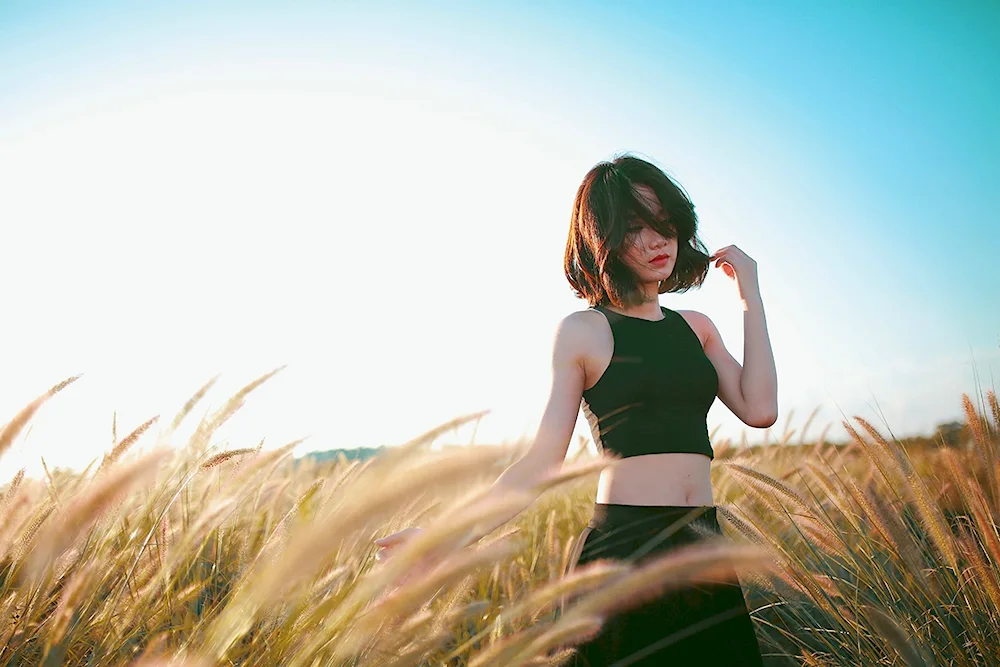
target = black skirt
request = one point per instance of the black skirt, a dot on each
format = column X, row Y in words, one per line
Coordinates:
column 703, row 624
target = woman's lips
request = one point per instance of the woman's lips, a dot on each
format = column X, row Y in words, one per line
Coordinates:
column 659, row 260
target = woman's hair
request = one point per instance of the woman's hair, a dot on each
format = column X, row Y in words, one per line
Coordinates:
column 606, row 203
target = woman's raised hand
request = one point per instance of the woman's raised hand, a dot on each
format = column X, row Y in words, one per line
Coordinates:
column 739, row 266
column 389, row 542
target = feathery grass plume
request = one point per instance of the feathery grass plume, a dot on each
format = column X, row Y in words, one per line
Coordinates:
column 51, row 483
column 222, row 457
column 559, row 592
column 79, row 515
column 985, row 447
column 985, row 577
column 769, row 484
column 892, row 450
column 163, row 538
column 255, row 466
column 419, row 636
column 446, row 534
column 211, row 424
column 878, row 458
column 899, row 640
column 807, row 424
column 872, row 515
column 832, row 495
column 707, row 561
column 404, row 451
column 700, row 562
column 991, row 398
column 504, row 651
column 69, row 599
column 309, row 548
column 30, row 533
column 419, row 641
column 573, row 472
column 410, row 596
column 175, row 661
column 119, row 449
column 740, row 526
column 8, row 522
column 810, row 659
column 558, row 635
column 820, row 534
column 928, row 510
column 11, row 491
column 15, row 425
column 190, row 405
column 978, row 425
column 973, row 500
column 908, row 550
column 194, row 533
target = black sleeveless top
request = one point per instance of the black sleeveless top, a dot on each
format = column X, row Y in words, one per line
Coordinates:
column 655, row 395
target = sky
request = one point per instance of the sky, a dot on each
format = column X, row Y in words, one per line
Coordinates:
column 376, row 196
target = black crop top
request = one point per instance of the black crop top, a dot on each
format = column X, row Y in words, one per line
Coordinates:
column 655, row 395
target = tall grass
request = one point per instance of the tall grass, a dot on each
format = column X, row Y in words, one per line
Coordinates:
column 866, row 554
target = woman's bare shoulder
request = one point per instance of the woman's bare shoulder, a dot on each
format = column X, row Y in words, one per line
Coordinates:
column 582, row 327
column 585, row 321
column 700, row 323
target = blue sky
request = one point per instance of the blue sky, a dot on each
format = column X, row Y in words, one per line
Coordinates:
column 851, row 149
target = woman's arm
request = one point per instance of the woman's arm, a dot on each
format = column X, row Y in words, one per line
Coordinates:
column 750, row 390
column 547, row 451
column 548, row 448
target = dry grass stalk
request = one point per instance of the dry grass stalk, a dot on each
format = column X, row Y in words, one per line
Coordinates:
column 210, row 424
column 15, row 425
column 190, row 404
column 572, row 632
column 768, row 484
column 560, row 591
column 985, row 576
column 927, row 509
column 416, row 592
column 404, row 451
column 985, row 447
column 222, row 457
column 51, row 483
column 86, row 509
column 704, row 561
column 122, row 447
column 871, row 514
column 11, row 491
column 875, row 456
column 991, row 398
column 504, row 651
column 308, row 549
column 897, row 638
column 69, row 600
column 7, row 519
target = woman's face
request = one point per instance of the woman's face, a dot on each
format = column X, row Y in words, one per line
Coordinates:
column 649, row 254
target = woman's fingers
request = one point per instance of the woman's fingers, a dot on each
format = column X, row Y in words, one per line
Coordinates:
column 396, row 538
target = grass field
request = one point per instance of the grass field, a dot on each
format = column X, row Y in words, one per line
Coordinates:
column 866, row 553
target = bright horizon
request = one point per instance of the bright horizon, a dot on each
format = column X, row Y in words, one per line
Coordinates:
column 380, row 200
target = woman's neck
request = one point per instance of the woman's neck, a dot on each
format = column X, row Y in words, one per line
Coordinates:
column 650, row 307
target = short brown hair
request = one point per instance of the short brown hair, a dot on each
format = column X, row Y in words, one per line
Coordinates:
column 606, row 202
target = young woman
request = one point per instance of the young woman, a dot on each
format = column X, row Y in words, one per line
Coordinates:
column 645, row 377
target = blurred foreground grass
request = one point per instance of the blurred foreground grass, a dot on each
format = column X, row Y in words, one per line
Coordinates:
column 868, row 553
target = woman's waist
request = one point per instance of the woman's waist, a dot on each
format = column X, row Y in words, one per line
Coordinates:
column 677, row 479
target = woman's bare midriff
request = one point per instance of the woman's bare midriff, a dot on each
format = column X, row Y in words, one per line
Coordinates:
column 679, row 479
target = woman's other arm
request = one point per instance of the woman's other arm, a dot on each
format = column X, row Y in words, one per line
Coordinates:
column 548, row 449
column 750, row 390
